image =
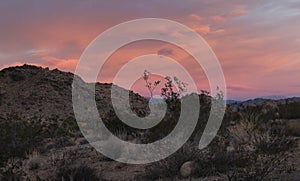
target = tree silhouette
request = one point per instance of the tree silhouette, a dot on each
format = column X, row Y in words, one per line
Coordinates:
column 150, row 85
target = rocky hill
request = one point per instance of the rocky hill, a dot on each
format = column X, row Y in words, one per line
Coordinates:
column 40, row 92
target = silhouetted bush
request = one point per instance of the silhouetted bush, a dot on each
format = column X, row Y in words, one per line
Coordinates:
column 16, row 137
column 17, row 76
column 11, row 171
column 81, row 173
column 289, row 110
column 19, row 135
column 169, row 167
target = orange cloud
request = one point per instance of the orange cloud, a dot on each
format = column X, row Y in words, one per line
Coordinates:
column 262, row 55
column 218, row 18
column 232, row 14
column 202, row 29
column 13, row 64
column 195, row 17
column 40, row 54
column 63, row 64
column 235, row 13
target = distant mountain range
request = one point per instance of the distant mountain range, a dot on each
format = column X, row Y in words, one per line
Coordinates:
column 260, row 100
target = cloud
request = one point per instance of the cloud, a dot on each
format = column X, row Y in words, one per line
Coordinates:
column 14, row 64
column 294, row 5
column 195, row 17
column 218, row 18
column 235, row 13
column 202, row 29
column 232, row 14
column 218, row 31
column 63, row 64
column 238, row 88
column 260, row 51
column 38, row 53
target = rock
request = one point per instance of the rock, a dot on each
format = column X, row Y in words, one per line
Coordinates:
column 187, row 169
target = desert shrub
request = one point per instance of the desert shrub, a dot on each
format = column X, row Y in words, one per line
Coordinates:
column 34, row 160
column 266, row 136
column 257, row 152
column 169, row 167
column 253, row 166
column 11, row 171
column 2, row 93
column 289, row 110
column 293, row 128
column 273, row 144
column 63, row 159
column 114, row 148
column 81, row 173
column 150, row 85
column 245, row 164
column 70, row 125
column 17, row 76
column 58, row 128
column 10, row 176
column 17, row 136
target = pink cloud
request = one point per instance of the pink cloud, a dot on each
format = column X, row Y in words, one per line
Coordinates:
column 260, row 52
column 13, row 64
column 195, row 17
column 202, row 29
column 235, row 13
column 63, row 64
column 40, row 54
column 232, row 14
column 218, row 18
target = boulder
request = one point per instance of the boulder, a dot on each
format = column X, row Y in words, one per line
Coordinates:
column 187, row 169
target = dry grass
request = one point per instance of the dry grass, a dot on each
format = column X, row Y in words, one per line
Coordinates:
column 34, row 160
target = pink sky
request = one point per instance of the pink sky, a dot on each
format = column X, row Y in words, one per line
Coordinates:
column 256, row 42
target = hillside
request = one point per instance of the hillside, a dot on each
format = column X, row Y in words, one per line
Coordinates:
column 40, row 139
column 40, row 92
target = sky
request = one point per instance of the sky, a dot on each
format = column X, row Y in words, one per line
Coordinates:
column 256, row 42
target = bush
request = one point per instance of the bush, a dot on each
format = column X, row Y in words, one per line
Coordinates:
column 11, row 171
column 169, row 167
column 17, row 136
column 257, row 151
column 289, row 110
column 17, row 76
column 34, row 160
column 81, row 173
column 1, row 96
